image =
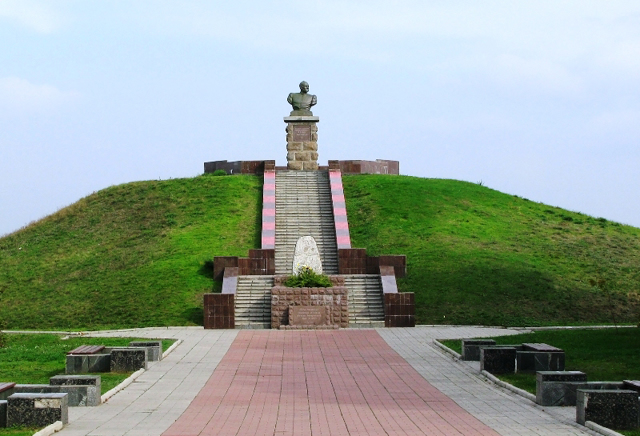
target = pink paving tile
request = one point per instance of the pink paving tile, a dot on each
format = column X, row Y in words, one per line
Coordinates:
column 317, row 383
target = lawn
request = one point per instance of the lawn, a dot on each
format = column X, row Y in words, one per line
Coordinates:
column 482, row 257
column 604, row 355
column 133, row 255
column 33, row 359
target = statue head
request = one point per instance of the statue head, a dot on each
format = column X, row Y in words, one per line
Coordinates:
column 304, row 87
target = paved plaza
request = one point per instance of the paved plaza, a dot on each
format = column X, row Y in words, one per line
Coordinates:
column 345, row 382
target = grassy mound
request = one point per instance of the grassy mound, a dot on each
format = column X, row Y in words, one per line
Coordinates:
column 132, row 255
column 478, row 256
column 139, row 254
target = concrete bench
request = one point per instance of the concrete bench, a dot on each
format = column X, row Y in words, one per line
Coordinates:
column 498, row 360
column 6, row 389
column 128, row 359
column 154, row 349
column 633, row 385
column 87, row 349
column 540, row 357
column 85, row 363
column 37, row 410
column 93, row 383
column 533, row 361
column 615, row 409
column 471, row 348
column 78, row 396
column 558, row 388
column 543, row 348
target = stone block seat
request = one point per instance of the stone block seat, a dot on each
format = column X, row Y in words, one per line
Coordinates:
column 471, row 348
column 615, row 409
column 3, row 413
column 154, row 349
column 540, row 357
column 37, row 410
column 128, row 359
column 558, row 388
column 88, row 385
column 6, row 389
column 87, row 349
column 498, row 359
column 88, row 358
column 77, row 395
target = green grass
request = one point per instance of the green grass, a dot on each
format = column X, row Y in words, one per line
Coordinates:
column 479, row 256
column 604, row 355
column 33, row 359
column 133, row 255
column 140, row 254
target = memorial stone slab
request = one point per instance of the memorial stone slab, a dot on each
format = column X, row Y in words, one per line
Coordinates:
column 307, row 254
column 308, row 315
column 37, row 410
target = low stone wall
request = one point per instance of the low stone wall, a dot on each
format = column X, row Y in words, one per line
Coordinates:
column 219, row 311
column 240, row 167
column 333, row 299
column 260, row 262
column 379, row 166
column 356, row 261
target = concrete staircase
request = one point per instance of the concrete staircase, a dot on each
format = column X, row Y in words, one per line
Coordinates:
column 365, row 300
column 304, row 208
column 253, row 302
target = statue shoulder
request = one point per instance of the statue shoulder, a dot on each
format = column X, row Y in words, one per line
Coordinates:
column 314, row 100
column 290, row 97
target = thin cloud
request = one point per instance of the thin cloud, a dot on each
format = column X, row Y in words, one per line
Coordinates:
column 32, row 14
column 20, row 94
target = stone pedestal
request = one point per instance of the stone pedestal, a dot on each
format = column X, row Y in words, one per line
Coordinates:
column 302, row 142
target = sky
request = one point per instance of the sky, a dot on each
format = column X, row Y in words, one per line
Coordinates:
column 536, row 99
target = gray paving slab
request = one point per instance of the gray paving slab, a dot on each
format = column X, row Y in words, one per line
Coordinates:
column 505, row 412
column 159, row 396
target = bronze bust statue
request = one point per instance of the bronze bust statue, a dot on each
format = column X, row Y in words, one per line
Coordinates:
column 302, row 101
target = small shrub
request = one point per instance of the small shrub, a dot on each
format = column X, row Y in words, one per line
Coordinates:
column 307, row 278
column 219, row 173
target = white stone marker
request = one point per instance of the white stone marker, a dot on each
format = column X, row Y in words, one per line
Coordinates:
column 307, row 254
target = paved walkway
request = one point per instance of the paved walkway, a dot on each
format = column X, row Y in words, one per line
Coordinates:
column 347, row 382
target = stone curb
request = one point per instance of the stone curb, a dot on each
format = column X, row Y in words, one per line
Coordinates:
column 50, row 429
column 600, row 429
column 521, row 392
column 447, row 349
column 171, row 348
column 126, row 382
